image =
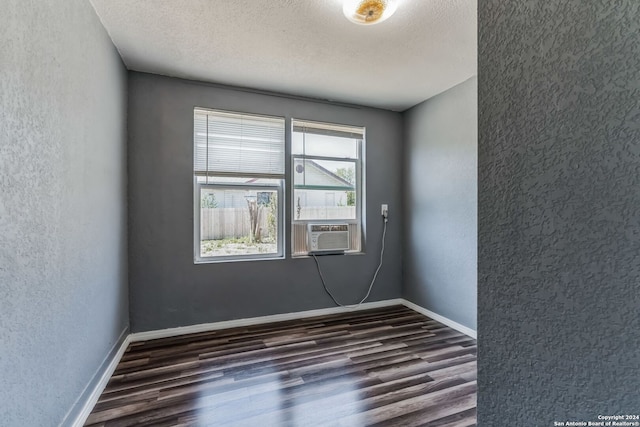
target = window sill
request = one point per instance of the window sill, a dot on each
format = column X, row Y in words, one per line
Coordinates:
column 225, row 261
column 343, row 254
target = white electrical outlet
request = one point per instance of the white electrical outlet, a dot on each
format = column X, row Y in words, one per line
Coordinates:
column 384, row 210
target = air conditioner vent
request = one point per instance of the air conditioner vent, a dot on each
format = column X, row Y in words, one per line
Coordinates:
column 328, row 237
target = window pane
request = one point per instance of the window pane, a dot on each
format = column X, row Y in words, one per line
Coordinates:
column 324, row 174
column 238, row 222
column 323, row 145
column 324, row 204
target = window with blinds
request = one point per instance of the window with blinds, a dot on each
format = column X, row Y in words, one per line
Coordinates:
column 238, row 168
column 231, row 144
column 327, row 184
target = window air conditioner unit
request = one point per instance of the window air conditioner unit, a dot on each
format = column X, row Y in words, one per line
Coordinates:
column 328, row 237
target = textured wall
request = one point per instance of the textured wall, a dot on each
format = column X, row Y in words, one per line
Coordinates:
column 63, row 292
column 559, row 210
column 166, row 288
column 440, row 222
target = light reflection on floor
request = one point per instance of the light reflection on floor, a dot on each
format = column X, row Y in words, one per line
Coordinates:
column 283, row 400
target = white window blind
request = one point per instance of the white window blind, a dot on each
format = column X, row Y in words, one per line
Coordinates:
column 232, row 144
column 340, row 131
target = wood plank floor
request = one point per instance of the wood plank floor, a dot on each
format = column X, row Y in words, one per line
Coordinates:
column 382, row 367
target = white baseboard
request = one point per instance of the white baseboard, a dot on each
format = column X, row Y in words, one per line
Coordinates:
column 446, row 321
column 99, row 387
column 205, row 327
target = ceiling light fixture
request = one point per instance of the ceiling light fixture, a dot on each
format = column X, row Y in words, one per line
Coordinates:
column 368, row 12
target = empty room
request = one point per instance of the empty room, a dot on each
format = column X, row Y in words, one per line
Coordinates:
column 240, row 212
column 302, row 213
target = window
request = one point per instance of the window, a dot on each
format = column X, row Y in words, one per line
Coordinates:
column 239, row 185
column 327, row 181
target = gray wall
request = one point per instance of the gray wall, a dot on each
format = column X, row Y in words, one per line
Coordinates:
column 63, row 261
column 166, row 288
column 559, row 211
column 440, row 221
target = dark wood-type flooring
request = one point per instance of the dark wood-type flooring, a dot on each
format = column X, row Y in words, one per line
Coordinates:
column 382, row 367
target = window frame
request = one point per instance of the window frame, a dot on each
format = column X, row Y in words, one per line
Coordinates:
column 359, row 188
column 279, row 187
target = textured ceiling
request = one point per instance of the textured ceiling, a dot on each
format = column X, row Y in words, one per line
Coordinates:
column 300, row 47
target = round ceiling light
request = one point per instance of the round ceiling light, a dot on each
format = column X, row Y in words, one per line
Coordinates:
column 368, row 12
